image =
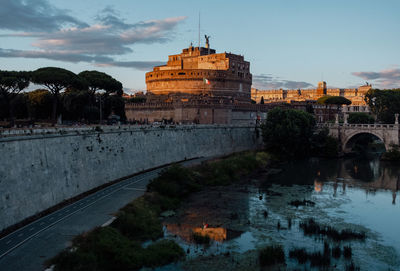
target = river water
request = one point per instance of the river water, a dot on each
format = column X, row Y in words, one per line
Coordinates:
column 356, row 194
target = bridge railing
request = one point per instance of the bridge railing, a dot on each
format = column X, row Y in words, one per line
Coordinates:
column 358, row 126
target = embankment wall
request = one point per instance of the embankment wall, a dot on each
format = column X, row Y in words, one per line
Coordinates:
column 43, row 167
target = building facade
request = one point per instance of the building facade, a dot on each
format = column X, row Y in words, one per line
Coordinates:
column 355, row 95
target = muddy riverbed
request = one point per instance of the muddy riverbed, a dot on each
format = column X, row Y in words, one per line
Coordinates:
column 351, row 194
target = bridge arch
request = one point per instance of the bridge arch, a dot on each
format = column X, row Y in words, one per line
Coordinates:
column 346, row 147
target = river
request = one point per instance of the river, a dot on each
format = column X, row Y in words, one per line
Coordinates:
column 356, row 194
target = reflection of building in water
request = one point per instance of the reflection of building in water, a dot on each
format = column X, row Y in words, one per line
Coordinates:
column 186, row 231
column 318, row 186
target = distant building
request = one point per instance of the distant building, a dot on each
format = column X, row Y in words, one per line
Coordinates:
column 355, row 95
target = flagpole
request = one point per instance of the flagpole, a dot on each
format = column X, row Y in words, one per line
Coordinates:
column 199, row 30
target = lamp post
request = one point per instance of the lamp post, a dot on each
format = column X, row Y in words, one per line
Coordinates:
column 101, row 92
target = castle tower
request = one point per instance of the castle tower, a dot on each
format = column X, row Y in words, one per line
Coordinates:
column 321, row 89
column 202, row 71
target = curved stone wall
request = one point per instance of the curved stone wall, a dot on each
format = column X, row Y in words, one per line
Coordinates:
column 41, row 168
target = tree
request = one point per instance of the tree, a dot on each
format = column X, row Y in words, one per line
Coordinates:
column 324, row 145
column 333, row 100
column 384, row 103
column 76, row 104
column 56, row 79
column 39, row 104
column 287, row 132
column 101, row 81
column 360, row 118
column 11, row 84
column 262, row 100
column 116, row 104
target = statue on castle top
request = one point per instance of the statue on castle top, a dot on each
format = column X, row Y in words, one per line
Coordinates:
column 207, row 41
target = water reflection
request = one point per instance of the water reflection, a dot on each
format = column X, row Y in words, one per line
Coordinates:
column 366, row 174
column 186, row 231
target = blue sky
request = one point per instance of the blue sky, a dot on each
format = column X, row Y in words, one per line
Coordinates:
column 290, row 43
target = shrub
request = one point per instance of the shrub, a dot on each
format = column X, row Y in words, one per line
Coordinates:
column 347, row 252
column 102, row 249
column 310, row 227
column 202, row 239
column 393, row 154
column 163, row 252
column 287, row 133
column 360, row 118
column 139, row 220
column 336, row 252
column 315, row 258
column 175, row 182
column 271, row 255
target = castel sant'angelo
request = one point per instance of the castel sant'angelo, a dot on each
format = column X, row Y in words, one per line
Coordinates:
column 205, row 87
column 199, row 86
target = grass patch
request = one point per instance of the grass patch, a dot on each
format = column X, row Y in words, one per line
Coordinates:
column 347, row 252
column 352, row 267
column 163, row 252
column 303, row 202
column 139, row 221
column 177, row 182
column 315, row 258
column 310, row 227
column 271, row 255
column 118, row 246
column 107, row 249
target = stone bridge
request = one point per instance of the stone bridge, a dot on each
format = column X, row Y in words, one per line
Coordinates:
column 347, row 133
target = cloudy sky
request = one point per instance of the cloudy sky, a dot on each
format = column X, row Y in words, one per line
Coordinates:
column 290, row 43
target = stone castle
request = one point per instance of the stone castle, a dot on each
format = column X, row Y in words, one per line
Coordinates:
column 201, row 71
column 199, row 86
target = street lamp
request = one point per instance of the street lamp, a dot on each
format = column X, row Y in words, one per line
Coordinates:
column 101, row 92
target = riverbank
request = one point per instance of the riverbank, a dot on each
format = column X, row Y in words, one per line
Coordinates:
column 326, row 214
column 120, row 244
column 225, row 212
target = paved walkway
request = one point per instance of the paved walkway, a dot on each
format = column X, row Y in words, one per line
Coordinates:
column 28, row 247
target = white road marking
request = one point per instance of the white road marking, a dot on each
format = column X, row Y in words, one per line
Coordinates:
column 136, row 189
column 108, row 222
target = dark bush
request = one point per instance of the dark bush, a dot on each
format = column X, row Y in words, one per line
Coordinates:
column 347, row 252
column 271, row 255
column 102, row 249
column 300, row 254
column 304, row 202
column 163, row 252
column 139, row 221
column 107, row 249
column 310, row 227
column 336, row 252
column 175, row 182
column 352, row 267
column 315, row 258
column 360, row 118
column 393, row 154
column 200, row 238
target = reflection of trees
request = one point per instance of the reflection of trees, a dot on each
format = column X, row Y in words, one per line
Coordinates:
column 307, row 171
column 362, row 169
column 367, row 174
column 374, row 173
